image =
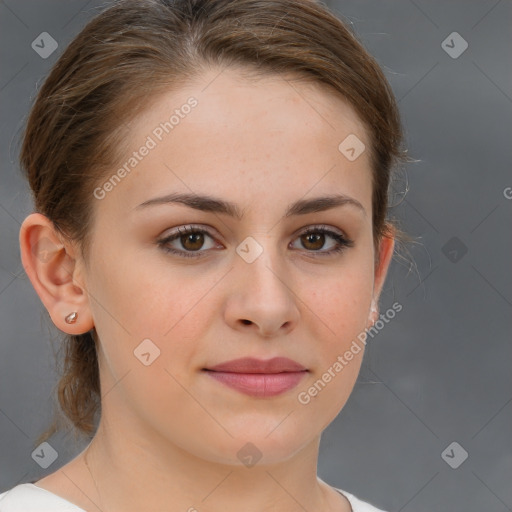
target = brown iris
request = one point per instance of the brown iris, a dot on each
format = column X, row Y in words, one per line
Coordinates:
column 196, row 241
column 317, row 240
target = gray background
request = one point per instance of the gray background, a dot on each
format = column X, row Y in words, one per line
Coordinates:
column 440, row 371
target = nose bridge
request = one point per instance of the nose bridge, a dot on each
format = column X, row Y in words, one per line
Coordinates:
column 263, row 259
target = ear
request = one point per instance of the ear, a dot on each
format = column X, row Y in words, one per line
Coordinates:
column 385, row 255
column 52, row 266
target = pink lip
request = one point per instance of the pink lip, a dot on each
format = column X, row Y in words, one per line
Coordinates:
column 259, row 378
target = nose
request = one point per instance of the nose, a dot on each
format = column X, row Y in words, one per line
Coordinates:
column 262, row 298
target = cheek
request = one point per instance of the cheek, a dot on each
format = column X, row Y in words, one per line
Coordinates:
column 343, row 311
column 143, row 299
column 341, row 306
column 133, row 301
column 339, row 312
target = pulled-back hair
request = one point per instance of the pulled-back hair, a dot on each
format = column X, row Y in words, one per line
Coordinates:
column 136, row 49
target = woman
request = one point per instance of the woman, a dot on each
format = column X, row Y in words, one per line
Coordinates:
column 210, row 183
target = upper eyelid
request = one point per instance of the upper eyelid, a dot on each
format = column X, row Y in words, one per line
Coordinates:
column 208, row 229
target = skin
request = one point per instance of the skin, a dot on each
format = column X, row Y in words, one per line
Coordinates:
column 169, row 434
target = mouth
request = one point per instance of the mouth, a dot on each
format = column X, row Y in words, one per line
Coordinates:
column 259, row 378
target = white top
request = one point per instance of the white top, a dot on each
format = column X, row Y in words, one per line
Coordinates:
column 31, row 498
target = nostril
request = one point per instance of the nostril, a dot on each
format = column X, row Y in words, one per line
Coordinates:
column 246, row 322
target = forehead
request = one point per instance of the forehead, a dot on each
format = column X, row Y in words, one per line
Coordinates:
column 229, row 133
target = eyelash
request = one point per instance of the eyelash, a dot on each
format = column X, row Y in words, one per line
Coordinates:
column 343, row 242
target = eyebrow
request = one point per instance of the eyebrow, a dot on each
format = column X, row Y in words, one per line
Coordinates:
column 215, row 205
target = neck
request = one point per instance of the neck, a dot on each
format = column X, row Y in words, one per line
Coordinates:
column 135, row 470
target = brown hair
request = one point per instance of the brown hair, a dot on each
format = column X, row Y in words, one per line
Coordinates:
column 137, row 48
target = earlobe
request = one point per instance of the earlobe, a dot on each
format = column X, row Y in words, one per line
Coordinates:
column 51, row 265
column 374, row 313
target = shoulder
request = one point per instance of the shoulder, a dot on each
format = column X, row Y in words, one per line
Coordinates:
column 357, row 504
column 30, row 498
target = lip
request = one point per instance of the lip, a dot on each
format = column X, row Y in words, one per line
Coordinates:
column 259, row 378
column 253, row 365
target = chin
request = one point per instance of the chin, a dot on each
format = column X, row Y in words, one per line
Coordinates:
column 255, row 446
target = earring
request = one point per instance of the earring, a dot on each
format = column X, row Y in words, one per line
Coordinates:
column 373, row 312
column 71, row 318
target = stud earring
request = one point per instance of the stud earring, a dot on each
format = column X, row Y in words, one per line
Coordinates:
column 71, row 318
column 373, row 312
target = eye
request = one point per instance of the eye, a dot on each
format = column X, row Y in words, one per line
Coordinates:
column 192, row 241
column 314, row 239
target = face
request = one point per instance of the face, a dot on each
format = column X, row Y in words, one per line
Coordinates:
column 168, row 304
